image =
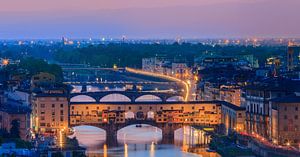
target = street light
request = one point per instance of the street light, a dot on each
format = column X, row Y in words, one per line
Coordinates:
column 5, row 61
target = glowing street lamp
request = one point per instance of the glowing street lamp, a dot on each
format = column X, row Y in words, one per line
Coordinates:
column 5, row 62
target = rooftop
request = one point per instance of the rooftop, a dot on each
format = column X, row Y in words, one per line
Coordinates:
column 276, row 85
column 14, row 109
column 293, row 98
column 232, row 106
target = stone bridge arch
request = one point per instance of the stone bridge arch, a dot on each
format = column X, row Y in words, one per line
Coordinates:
column 115, row 97
column 125, row 96
column 175, row 98
column 82, row 98
column 149, row 98
column 111, row 130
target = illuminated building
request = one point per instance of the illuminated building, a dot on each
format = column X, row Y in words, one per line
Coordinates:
column 293, row 54
column 233, row 118
column 285, row 120
column 181, row 70
column 257, row 98
column 50, row 112
column 158, row 64
column 231, row 94
column 208, row 113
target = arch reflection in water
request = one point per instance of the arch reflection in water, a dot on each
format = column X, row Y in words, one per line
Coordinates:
column 144, row 134
column 89, row 136
column 191, row 137
column 144, row 146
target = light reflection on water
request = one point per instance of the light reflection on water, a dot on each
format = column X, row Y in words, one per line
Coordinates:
column 142, row 142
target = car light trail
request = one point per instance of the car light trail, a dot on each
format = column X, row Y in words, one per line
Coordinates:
column 185, row 84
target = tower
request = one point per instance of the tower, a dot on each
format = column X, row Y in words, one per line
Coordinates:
column 292, row 56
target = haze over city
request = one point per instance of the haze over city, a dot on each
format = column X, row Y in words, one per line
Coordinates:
column 48, row 19
column 150, row 78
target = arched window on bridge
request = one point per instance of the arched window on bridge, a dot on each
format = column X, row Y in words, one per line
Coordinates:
column 82, row 98
column 129, row 115
column 148, row 98
column 175, row 98
column 115, row 98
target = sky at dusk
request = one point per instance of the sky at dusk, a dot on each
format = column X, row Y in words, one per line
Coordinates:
column 50, row 19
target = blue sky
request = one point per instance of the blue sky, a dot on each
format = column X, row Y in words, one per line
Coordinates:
column 149, row 18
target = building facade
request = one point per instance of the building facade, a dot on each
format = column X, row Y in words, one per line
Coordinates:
column 50, row 112
column 285, row 123
column 233, row 118
column 208, row 113
column 258, row 109
column 231, row 94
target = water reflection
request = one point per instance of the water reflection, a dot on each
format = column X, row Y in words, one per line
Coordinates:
column 143, row 142
column 139, row 135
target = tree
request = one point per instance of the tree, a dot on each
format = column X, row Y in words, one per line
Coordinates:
column 15, row 129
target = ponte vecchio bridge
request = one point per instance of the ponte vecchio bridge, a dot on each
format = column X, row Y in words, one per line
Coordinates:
column 166, row 115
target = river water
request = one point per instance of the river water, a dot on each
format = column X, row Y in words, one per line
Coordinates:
column 143, row 142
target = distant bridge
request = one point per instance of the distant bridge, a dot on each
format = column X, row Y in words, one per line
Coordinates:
column 118, row 82
column 92, row 68
column 125, row 96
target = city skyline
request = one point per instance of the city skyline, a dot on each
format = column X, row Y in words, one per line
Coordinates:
column 149, row 19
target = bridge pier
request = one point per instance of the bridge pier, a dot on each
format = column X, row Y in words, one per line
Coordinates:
column 111, row 135
column 168, row 131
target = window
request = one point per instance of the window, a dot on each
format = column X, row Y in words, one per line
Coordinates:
column 296, row 108
column 61, row 105
column 140, row 108
column 53, row 105
column 119, row 108
column 42, row 105
column 87, row 107
column 42, row 118
column 129, row 108
column 193, row 107
column 296, row 116
column 150, row 107
column 172, row 108
column 61, row 118
column 61, row 112
column 72, row 107
column 161, row 108
column 97, row 108
column 53, row 113
column 285, row 108
column 42, row 112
